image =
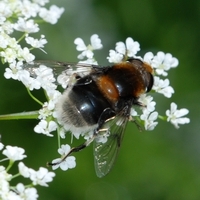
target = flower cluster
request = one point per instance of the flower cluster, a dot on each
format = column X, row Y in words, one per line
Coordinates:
column 18, row 16
column 87, row 51
column 22, row 16
column 21, row 192
column 123, row 51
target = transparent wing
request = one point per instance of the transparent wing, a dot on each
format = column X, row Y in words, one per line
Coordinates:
column 62, row 71
column 105, row 153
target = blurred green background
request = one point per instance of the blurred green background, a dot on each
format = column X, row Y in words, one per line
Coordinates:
column 163, row 164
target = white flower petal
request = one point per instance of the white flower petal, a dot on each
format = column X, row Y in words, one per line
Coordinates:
column 14, row 153
column 120, row 48
column 175, row 116
column 96, row 42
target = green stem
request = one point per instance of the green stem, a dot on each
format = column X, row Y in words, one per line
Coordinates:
column 16, row 175
column 22, row 115
column 34, row 98
column 22, row 37
column 164, row 118
column 3, row 159
column 10, row 165
column 58, row 135
column 45, row 93
column 30, row 185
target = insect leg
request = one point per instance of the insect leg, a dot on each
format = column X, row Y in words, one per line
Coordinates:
column 131, row 119
column 72, row 150
column 107, row 113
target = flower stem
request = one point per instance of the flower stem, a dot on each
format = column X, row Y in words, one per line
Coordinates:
column 10, row 165
column 22, row 37
column 58, row 135
column 16, row 175
column 22, row 115
column 34, row 98
column 164, row 118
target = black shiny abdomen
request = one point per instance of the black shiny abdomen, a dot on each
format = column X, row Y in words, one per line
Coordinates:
column 88, row 100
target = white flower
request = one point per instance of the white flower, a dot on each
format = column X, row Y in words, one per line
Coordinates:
column 176, row 116
column 148, row 57
column 149, row 119
column 24, row 170
column 4, row 182
column 29, row 9
column 162, row 86
column 53, row 96
column 4, row 176
column 29, row 82
column 26, row 193
column 87, row 51
column 1, row 146
column 80, row 44
column 46, row 77
column 45, row 127
column 5, row 9
column 96, row 42
column 163, row 62
column 13, row 70
column 62, row 133
column 7, row 27
column 52, row 15
column 66, row 164
column 26, row 26
column 9, row 55
column 41, row 177
column 129, row 49
column 114, row 57
column 133, row 112
column 25, row 54
column 124, row 50
column 14, row 153
column 35, row 43
column 3, row 42
column 132, row 47
column 47, row 110
column 120, row 48
column 13, row 43
column 147, row 102
column 63, row 80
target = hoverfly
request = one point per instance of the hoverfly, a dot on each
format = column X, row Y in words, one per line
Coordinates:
column 98, row 100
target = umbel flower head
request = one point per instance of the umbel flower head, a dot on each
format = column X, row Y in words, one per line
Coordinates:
column 20, row 191
column 23, row 17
